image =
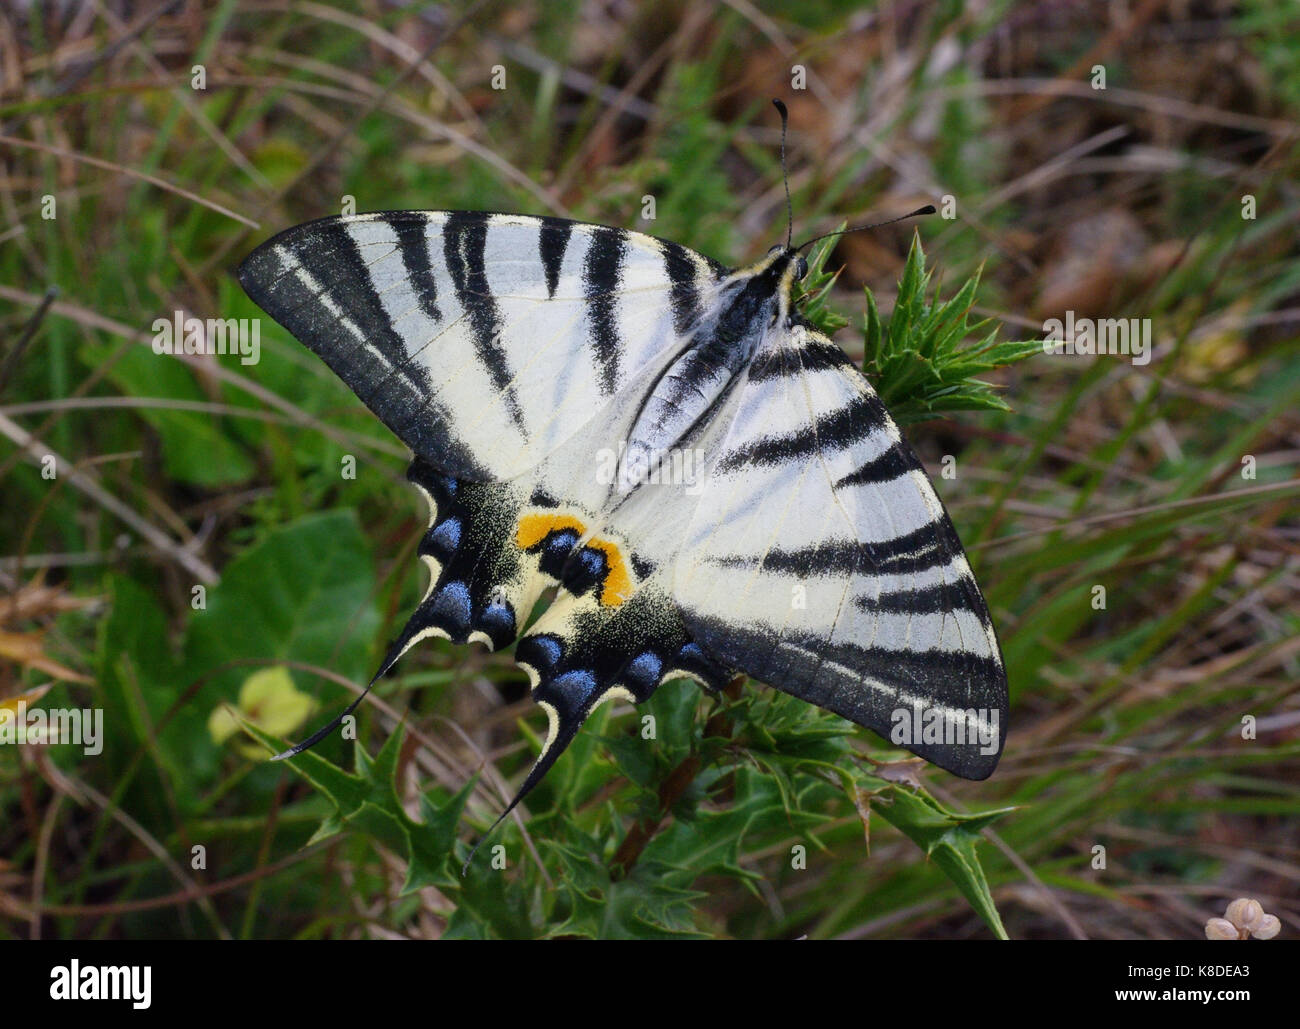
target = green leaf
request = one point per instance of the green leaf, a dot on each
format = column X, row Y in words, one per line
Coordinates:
column 303, row 594
column 710, row 842
column 269, row 699
column 140, row 683
column 948, row 839
column 367, row 801
column 197, row 447
column 653, row 903
column 920, row 361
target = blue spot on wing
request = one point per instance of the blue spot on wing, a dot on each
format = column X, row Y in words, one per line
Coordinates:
column 560, row 543
column 691, row 652
column 576, row 687
column 446, row 536
column 643, row 672
column 498, row 617
column 548, row 648
column 452, row 602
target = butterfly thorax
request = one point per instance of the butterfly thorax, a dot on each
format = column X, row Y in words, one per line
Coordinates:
column 749, row 302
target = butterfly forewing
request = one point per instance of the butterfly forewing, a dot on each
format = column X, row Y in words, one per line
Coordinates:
column 482, row 340
column 820, row 560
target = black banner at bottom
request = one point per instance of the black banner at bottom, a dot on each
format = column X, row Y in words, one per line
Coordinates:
column 305, row 980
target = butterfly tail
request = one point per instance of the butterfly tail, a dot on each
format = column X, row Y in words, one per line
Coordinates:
column 567, row 700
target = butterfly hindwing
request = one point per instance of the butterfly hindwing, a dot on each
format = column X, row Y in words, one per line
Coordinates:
column 610, row 631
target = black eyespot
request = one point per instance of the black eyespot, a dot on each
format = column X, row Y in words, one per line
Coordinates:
column 801, row 269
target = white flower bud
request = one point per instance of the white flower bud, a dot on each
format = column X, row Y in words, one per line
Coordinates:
column 1268, row 927
column 1221, row 929
column 1244, row 913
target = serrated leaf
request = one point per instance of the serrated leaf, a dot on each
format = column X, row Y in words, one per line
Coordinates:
column 367, row 800
column 917, row 360
column 948, row 839
column 653, row 903
column 710, row 842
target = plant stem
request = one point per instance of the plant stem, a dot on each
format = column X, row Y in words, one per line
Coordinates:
column 672, row 789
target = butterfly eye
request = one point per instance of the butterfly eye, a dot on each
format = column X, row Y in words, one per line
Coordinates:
column 801, row 269
column 774, row 249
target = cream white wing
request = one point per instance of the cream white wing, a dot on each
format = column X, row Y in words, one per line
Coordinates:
column 820, row 560
column 484, row 341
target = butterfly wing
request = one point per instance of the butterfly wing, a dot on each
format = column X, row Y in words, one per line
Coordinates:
column 509, row 353
column 820, row 561
column 483, row 341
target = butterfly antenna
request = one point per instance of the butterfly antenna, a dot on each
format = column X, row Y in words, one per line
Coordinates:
column 785, row 175
column 927, row 209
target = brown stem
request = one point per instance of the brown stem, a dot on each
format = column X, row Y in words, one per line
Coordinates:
column 671, row 790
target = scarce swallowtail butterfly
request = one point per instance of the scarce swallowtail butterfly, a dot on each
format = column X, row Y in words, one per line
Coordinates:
column 546, row 374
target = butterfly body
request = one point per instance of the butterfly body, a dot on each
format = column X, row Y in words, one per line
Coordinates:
column 706, row 482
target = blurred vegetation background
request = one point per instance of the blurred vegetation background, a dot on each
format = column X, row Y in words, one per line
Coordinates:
column 1166, row 190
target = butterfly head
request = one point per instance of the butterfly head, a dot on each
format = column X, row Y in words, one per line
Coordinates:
column 798, row 261
column 763, row 292
column 789, row 267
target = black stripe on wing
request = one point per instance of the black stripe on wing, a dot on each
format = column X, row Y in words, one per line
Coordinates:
column 930, row 546
column 464, row 248
column 849, row 424
column 340, row 317
column 602, row 272
column 687, row 305
column 417, row 258
column 331, row 255
column 831, row 676
column 816, row 355
column 954, row 595
column 884, row 467
column 552, row 242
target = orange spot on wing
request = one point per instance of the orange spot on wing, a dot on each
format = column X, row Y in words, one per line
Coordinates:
column 618, row 580
column 533, row 528
column 617, row 587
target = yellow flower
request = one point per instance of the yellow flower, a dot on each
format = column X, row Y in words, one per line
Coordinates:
column 268, row 699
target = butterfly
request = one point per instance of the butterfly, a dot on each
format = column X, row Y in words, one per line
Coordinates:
column 708, row 484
